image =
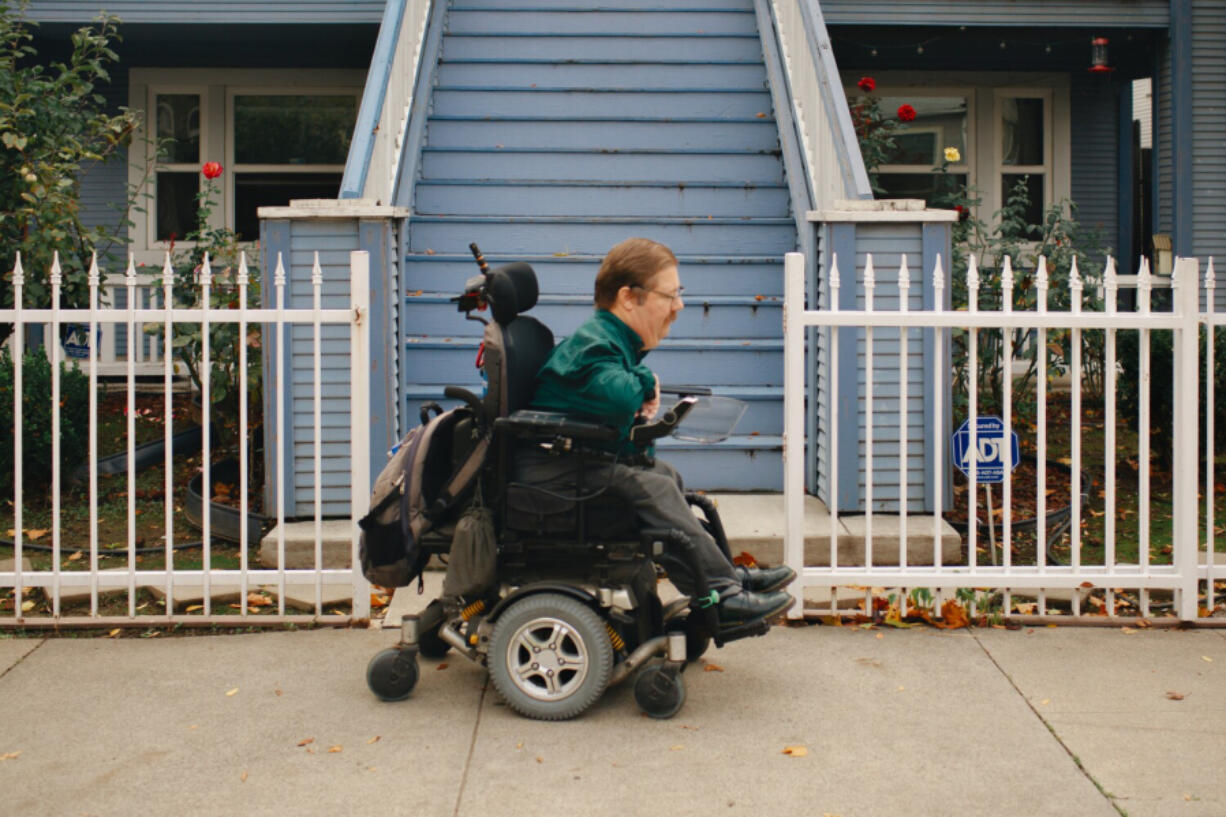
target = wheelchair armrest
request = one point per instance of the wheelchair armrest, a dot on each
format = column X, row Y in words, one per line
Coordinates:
column 526, row 423
column 645, row 433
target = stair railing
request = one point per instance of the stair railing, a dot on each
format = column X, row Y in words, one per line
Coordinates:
column 829, row 147
column 375, row 152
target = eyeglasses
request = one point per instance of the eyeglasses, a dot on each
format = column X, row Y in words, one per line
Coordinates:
column 672, row 296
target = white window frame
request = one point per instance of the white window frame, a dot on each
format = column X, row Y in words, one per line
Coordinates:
column 982, row 161
column 1047, row 168
column 217, row 89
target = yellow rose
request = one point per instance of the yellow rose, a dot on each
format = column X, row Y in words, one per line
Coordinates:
column 952, row 155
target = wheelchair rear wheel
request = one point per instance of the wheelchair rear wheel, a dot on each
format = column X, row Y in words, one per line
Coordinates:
column 550, row 656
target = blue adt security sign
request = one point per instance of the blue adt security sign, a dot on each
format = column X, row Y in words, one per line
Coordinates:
column 993, row 459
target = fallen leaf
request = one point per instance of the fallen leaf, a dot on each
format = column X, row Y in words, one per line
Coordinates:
column 1086, row 584
column 881, row 635
column 191, row 608
column 902, row 689
column 540, row 759
column 744, row 559
column 278, row 692
column 954, row 615
column 795, row 751
column 10, row 755
column 335, row 749
column 760, row 115
column 258, row 600
column 76, row 556
column 1173, row 695
column 1045, row 702
column 232, row 693
column 1206, row 658
column 442, row 665
column 306, row 741
column 375, row 739
column 676, row 748
column 27, row 606
column 37, row 533
column 113, row 633
column 712, row 668
column 378, row 600
column 519, row 745
column 243, row 777
column 193, row 727
column 1127, row 630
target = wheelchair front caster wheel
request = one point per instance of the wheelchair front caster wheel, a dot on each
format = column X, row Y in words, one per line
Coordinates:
column 392, row 673
column 659, row 691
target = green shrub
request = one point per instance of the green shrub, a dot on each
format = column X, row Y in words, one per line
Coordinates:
column 36, row 421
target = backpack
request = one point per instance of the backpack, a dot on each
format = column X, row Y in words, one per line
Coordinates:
column 429, row 477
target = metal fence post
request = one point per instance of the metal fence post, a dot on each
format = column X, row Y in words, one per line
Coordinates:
column 1187, row 370
column 359, row 402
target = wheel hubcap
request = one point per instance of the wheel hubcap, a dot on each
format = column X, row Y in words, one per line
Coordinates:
column 547, row 659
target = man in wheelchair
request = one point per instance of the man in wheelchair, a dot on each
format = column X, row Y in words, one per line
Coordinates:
column 597, row 374
column 576, row 509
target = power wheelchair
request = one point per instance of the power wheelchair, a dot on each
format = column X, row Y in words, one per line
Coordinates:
column 574, row 608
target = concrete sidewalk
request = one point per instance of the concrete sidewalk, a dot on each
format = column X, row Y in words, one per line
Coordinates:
column 895, row 722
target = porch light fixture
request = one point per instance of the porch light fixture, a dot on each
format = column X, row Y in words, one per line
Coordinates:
column 1098, row 56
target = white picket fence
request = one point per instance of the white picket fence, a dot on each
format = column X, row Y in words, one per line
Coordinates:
column 1045, row 586
column 33, row 597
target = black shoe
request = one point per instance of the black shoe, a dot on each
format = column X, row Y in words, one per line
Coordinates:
column 748, row 606
column 765, row 579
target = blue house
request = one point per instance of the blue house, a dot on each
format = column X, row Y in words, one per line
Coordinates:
column 549, row 131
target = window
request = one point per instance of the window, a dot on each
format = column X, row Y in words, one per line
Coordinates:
column 1023, row 152
column 1008, row 128
column 940, row 122
column 279, row 135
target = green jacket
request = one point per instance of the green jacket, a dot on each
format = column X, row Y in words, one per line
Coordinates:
column 597, row 374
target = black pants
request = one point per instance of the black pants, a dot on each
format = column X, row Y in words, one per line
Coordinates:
column 659, row 502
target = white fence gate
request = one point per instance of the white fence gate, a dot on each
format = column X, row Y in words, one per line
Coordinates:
column 34, row 597
column 1133, row 587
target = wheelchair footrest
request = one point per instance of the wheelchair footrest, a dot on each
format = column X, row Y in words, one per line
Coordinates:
column 748, row 630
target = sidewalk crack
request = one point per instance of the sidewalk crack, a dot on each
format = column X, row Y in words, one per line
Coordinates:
column 472, row 747
column 1051, row 729
column 19, row 661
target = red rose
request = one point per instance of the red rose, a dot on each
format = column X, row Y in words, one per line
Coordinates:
column 906, row 113
column 211, row 170
column 867, row 84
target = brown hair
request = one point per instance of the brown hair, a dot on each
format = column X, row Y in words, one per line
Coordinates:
column 632, row 263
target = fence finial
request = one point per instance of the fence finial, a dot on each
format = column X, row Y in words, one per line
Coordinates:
column 972, row 281
column 834, row 274
column 317, row 272
column 1111, row 284
column 904, row 277
column 206, row 272
column 168, row 275
column 57, row 277
column 243, row 276
column 1210, row 277
column 1006, row 278
column 278, row 276
column 93, row 278
column 129, row 276
column 870, row 280
column 1075, row 285
column 938, row 276
column 19, row 274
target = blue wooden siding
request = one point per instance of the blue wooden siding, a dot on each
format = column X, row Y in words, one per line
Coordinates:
column 1209, row 133
column 297, row 241
column 229, row 12
column 1073, row 13
column 1163, row 199
column 1094, row 151
column 887, row 242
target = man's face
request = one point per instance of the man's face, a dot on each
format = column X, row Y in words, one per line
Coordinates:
column 653, row 307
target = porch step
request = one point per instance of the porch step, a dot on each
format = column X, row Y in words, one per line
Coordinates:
column 557, row 130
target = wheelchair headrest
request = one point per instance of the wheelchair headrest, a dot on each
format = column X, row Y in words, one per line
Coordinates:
column 511, row 290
